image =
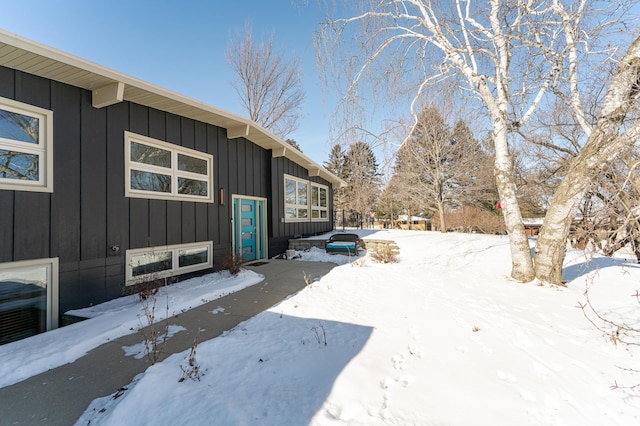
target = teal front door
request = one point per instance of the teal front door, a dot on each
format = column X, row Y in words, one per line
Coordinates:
column 248, row 215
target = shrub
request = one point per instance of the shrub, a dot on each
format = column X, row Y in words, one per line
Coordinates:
column 233, row 263
column 384, row 253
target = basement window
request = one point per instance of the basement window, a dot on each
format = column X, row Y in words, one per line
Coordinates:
column 26, row 147
column 28, row 298
column 150, row 263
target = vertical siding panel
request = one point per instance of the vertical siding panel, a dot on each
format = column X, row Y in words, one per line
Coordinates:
column 213, row 209
column 31, row 225
column 138, row 223
column 139, row 119
column 7, row 82
column 93, row 186
column 187, row 130
column 157, row 223
column 243, row 163
column 65, row 200
column 173, row 129
column 230, row 186
column 6, row 226
column 188, row 222
column 117, row 203
column 174, row 221
column 157, row 124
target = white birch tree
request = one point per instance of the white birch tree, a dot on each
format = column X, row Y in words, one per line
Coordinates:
column 512, row 55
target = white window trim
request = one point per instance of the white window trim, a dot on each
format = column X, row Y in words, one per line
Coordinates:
column 175, row 268
column 319, row 208
column 296, row 206
column 44, row 147
column 174, row 172
column 52, row 266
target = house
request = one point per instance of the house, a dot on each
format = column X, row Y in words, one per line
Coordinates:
column 107, row 181
column 415, row 223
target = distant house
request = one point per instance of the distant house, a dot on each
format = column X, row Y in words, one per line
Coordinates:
column 106, row 181
column 415, row 223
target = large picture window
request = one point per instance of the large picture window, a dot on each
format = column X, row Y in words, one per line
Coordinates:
column 150, row 263
column 156, row 169
column 28, row 298
column 26, row 147
column 296, row 199
column 305, row 201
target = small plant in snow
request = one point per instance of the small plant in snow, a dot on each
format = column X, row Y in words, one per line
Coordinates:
column 475, row 328
column 307, row 279
column 619, row 332
column 321, row 334
column 384, row 253
column 155, row 338
column 191, row 367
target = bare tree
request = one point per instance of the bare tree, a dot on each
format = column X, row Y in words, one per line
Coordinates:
column 512, row 55
column 442, row 166
column 269, row 85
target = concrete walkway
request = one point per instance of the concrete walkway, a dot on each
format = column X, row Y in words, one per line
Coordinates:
column 61, row 395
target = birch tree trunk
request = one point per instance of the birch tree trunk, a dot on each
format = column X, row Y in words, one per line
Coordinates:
column 604, row 144
column 521, row 262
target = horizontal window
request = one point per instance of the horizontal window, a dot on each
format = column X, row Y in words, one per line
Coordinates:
column 28, row 298
column 147, row 264
column 26, row 147
column 157, row 169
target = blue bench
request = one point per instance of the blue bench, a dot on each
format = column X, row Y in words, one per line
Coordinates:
column 343, row 244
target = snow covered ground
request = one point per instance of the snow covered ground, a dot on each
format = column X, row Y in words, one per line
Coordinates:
column 443, row 337
column 116, row 318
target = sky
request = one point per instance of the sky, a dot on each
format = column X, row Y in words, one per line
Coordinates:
column 179, row 45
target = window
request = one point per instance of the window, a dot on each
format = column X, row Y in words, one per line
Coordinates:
column 156, row 169
column 28, row 298
column 305, row 201
column 319, row 203
column 296, row 206
column 149, row 263
column 26, row 147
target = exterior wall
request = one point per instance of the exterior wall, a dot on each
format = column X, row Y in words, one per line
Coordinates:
column 279, row 231
column 87, row 213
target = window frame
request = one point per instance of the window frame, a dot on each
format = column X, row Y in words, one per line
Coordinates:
column 52, row 270
column 296, row 205
column 43, row 148
column 319, row 208
column 173, row 171
column 174, row 249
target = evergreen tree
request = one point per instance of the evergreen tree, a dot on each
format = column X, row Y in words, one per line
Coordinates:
column 363, row 180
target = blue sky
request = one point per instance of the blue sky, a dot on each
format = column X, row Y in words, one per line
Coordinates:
column 180, row 44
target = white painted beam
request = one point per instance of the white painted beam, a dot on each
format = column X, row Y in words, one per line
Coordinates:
column 108, row 95
column 241, row 131
column 279, row 152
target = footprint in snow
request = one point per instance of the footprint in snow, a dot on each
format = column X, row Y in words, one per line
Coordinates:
column 507, row 377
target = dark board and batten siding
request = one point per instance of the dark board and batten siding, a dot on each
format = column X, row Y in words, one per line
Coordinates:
column 88, row 213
